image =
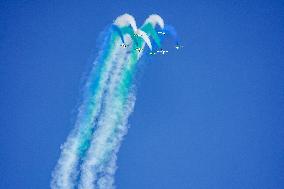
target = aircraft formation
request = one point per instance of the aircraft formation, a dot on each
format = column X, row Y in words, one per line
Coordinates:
column 146, row 34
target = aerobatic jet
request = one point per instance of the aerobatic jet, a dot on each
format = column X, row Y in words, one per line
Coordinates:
column 162, row 51
column 178, row 46
column 138, row 49
column 124, row 45
column 162, row 33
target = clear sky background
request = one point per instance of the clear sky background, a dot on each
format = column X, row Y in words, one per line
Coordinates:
column 210, row 116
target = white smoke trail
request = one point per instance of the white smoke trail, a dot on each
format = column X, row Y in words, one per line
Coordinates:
column 109, row 132
column 155, row 19
column 126, row 19
column 65, row 172
column 107, row 180
column 110, row 143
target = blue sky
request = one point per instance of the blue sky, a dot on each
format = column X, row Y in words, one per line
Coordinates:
column 207, row 117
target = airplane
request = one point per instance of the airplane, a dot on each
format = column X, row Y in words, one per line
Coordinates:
column 178, row 46
column 162, row 51
column 138, row 49
column 137, row 35
column 163, row 33
column 152, row 53
column 123, row 45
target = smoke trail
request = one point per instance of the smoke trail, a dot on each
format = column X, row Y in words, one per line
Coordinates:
column 66, row 172
column 88, row 157
column 111, row 128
